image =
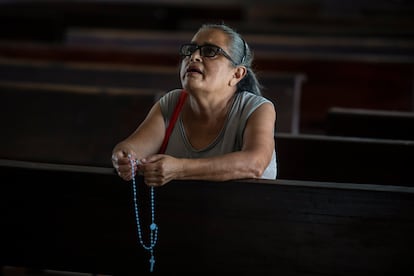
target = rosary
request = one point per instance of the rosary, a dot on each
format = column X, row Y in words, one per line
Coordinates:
column 153, row 226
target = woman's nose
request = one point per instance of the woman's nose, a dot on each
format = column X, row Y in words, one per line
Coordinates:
column 196, row 56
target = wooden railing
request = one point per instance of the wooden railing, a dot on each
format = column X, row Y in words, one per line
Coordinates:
column 79, row 218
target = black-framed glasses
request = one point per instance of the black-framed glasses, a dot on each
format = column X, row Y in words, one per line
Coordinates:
column 206, row 50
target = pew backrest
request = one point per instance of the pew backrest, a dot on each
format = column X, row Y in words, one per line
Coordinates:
column 81, row 219
column 344, row 159
column 68, row 123
column 371, row 123
column 282, row 88
column 80, row 125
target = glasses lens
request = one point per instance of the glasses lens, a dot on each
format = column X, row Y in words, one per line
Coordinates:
column 209, row 51
column 187, row 49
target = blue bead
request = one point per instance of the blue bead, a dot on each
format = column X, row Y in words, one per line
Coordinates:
column 153, row 226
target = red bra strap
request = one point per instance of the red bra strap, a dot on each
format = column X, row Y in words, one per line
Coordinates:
column 173, row 119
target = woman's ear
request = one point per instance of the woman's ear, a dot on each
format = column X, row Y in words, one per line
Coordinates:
column 239, row 73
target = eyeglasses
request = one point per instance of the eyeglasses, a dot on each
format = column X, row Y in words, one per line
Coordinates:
column 187, row 50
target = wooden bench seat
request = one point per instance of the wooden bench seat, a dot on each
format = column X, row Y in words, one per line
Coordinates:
column 81, row 219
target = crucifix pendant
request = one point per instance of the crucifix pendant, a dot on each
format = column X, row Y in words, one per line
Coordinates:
column 152, row 262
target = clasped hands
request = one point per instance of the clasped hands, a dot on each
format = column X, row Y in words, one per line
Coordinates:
column 157, row 169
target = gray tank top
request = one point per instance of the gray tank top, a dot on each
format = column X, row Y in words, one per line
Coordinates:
column 230, row 138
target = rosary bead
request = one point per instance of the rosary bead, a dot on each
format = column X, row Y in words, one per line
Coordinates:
column 153, row 226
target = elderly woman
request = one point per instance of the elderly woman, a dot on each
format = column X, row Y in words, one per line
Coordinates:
column 224, row 128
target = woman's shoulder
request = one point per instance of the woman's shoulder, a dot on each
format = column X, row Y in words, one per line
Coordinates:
column 249, row 98
column 169, row 100
column 172, row 94
column 170, row 97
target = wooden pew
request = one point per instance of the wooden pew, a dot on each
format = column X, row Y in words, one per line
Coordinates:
column 81, row 219
column 340, row 71
column 80, row 125
column 68, row 123
column 360, row 77
column 282, row 88
column 49, row 21
column 384, row 124
column 262, row 42
column 344, row 159
column 159, row 78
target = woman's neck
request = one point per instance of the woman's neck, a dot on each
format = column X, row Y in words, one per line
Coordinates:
column 209, row 108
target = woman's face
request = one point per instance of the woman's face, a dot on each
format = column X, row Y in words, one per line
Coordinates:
column 207, row 73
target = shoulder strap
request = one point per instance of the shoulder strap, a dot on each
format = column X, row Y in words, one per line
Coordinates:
column 173, row 119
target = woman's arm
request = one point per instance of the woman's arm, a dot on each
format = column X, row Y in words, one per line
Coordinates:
column 144, row 141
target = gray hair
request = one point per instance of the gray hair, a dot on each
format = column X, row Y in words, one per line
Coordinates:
column 240, row 52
